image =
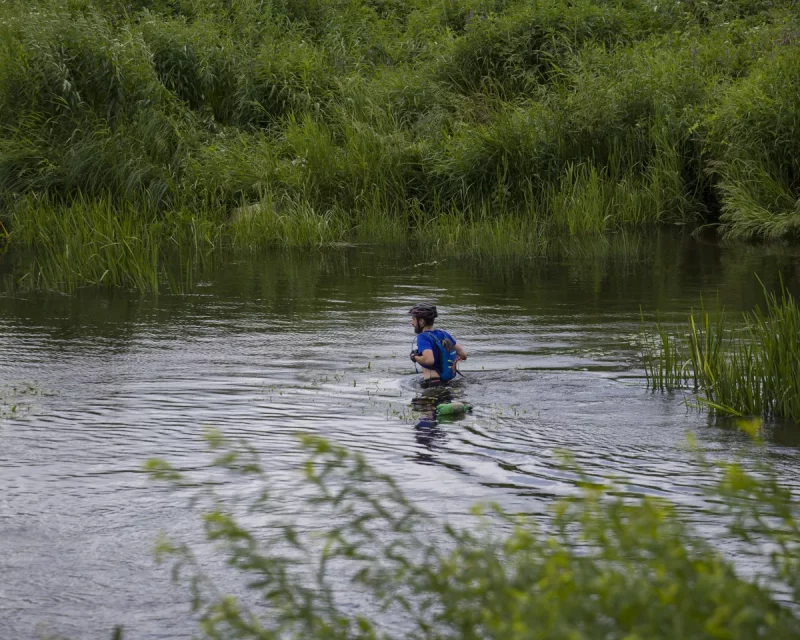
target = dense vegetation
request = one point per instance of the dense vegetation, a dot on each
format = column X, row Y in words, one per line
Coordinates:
column 312, row 121
column 370, row 564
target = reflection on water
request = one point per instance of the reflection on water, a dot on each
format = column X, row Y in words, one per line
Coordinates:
column 429, row 427
column 264, row 347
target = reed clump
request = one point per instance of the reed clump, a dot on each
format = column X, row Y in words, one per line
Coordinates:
column 752, row 369
column 94, row 242
column 574, row 117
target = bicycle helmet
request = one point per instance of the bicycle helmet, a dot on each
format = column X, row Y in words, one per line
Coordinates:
column 425, row 311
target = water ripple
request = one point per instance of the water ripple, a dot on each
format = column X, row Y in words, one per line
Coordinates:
column 552, row 368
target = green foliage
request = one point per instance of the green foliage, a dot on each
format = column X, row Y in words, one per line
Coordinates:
column 373, row 565
column 581, row 117
column 503, row 159
column 90, row 242
column 228, row 170
column 285, row 77
column 73, row 65
column 195, row 62
column 750, row 370
column 510, row 52
column 288, row 223
column 755, row 134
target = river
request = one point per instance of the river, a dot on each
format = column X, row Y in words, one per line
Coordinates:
column 266, row 347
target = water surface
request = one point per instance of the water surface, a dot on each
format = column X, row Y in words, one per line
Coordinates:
column 268, row 346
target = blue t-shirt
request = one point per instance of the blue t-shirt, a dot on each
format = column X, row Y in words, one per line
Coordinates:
column 424, row 341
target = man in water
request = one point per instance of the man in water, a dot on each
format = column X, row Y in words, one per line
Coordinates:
column 423, row 315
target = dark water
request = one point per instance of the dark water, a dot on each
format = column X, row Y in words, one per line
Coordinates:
column 269, row 346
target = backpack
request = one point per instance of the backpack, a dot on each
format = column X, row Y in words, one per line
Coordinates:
column 447, row 355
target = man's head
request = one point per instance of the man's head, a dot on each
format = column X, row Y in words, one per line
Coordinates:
column 422, row 316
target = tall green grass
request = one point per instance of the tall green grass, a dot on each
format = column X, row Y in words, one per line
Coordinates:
column 753, row 369
column 95, row 243
column 576, row 118
column 90, row 242
column 758, row 152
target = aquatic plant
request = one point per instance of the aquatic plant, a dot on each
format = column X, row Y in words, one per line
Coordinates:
column 665, row 363
column 369, row 563
column 90, row 242
column 750, row 369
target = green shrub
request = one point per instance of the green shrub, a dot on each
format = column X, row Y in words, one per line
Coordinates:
column 456, row 15
column 229, row 171
column 510, row 157
column 135, row 162
column 402, row 98
column 197, row 62
column 284, row 78
column 88, row 115
column 370, row 564
column 755, row 133
column 510, row 53
column 74, row 65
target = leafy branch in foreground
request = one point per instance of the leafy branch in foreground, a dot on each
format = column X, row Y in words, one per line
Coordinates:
column 355, row 559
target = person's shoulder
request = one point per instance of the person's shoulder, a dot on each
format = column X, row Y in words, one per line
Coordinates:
column 440, row 335
column 424, row 338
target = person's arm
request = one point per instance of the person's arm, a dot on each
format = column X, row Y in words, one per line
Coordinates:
column 426, row 358
column 460, row 352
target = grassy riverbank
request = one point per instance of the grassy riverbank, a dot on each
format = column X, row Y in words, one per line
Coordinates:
column 300, row 122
